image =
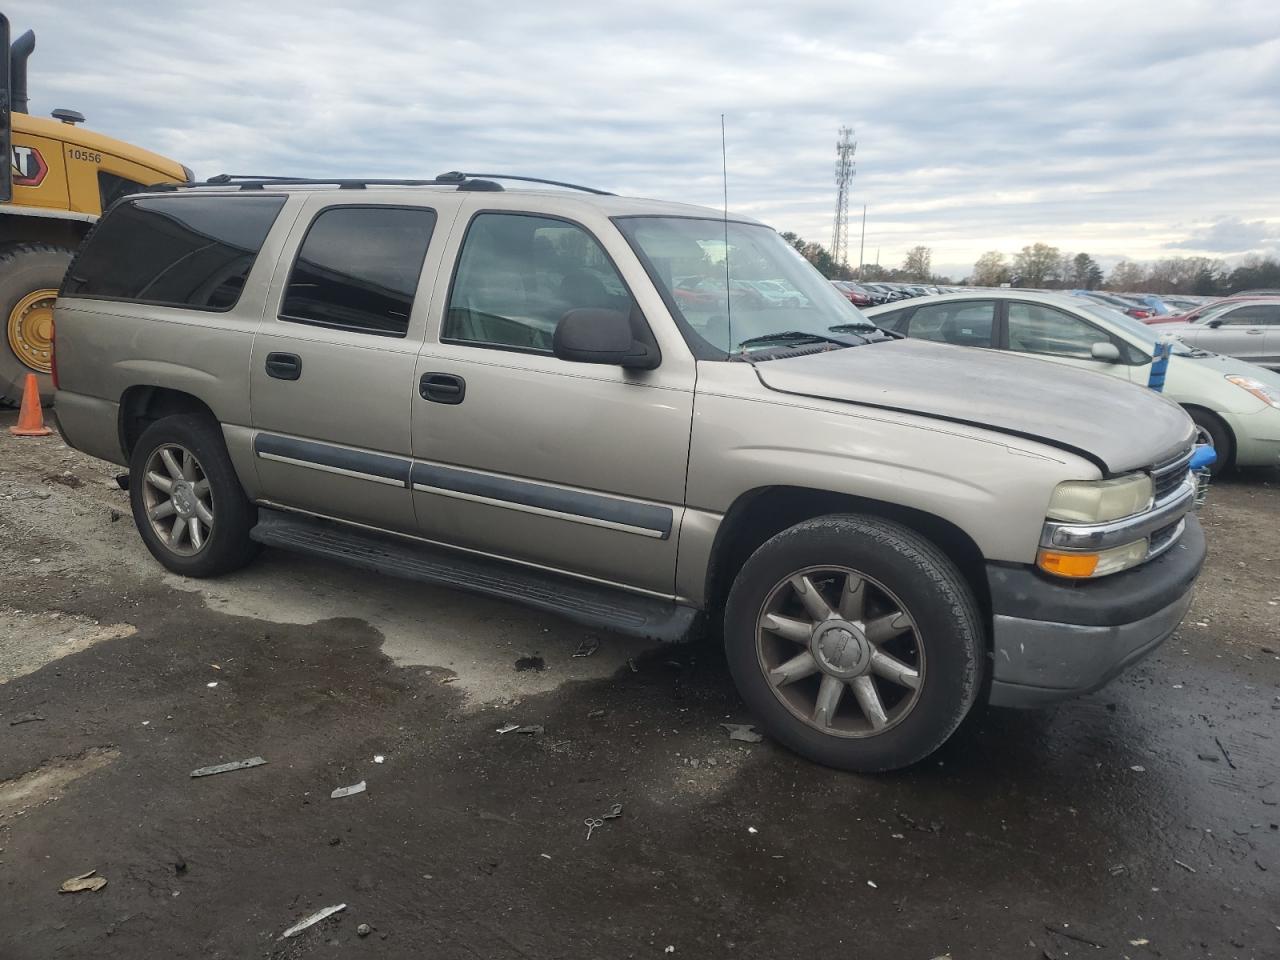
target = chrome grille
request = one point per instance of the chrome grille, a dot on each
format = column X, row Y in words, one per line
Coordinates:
column 1168, row 476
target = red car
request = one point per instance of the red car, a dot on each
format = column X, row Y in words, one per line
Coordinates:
column 1215, row 306
column 853, row 293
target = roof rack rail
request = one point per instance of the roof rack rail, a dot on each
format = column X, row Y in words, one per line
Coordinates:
column 454, row 178
column 512, row 176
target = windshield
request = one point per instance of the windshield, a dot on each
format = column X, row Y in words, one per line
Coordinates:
column 1145, row 335
column 771, row 289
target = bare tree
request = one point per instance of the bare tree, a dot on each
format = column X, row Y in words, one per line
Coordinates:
column 990, row 270
column 1037, row 265
column 918, row 263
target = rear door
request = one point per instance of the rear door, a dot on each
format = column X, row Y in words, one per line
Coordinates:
column 1248, row 332
column 331, row 376
column 572, row 466
column 966, row 323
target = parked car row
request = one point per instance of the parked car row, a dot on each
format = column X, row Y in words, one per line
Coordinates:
column 1235, row 404
column 867, row 293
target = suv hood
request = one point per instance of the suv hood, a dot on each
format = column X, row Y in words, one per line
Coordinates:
column 1117, row 425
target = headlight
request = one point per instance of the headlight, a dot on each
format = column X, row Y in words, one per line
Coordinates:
column 1268, row 395
column 1097, row 501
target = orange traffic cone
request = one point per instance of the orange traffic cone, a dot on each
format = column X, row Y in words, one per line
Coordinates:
column 30, row 417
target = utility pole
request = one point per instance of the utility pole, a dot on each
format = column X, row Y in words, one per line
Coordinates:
column 862, row 246
column 846, row 146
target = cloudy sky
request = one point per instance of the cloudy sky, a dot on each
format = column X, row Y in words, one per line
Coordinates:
column 1138, row 128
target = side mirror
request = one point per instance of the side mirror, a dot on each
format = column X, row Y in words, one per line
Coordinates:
column 1214, row 324
column 591, row 335
column 1106, row 352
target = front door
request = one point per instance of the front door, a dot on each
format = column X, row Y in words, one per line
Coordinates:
column 570, row 466
column 331, row 377
column 1039, row 330
column 1250, row 332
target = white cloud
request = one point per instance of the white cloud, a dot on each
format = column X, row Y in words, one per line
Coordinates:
column 1094, row 126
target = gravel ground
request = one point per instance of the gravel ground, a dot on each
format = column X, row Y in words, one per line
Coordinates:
column 1138, row 822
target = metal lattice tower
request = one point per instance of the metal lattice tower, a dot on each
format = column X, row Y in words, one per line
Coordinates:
column 846, row 146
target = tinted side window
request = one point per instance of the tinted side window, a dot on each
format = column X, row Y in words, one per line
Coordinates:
column 111, row 188
column 519, row 274
column 358, row 269
column 1038, row 329
column 178, row 251
column 967, row 323
column 1255, row 315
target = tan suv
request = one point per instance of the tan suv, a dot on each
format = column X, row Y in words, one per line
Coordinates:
column 584, row 402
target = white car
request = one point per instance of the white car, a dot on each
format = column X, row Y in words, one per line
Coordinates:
column 1234, row 403
column 1248, row 330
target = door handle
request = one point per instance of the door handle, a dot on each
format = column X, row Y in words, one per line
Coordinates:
column 1255, row 333
column 442, row 388
column 284, row 366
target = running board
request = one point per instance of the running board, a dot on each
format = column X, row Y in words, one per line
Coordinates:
column 592, row 604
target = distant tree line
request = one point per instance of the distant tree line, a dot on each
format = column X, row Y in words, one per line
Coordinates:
column 916, row 266
column 1044, row 266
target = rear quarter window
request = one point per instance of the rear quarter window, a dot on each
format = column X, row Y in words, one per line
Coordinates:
column 177, row 251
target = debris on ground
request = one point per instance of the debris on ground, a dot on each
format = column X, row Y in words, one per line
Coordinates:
column 508, row 728
column 363, row 930
column 379, row 758
column 531, row 729
column 595, row 714
column 26, row 718
column 1119, row 870
column 1185, row 866
column 347, row 791
column 86, row 881
column 312, row 920
column 614, row 812
column 587, row 647
column 228, row 767
column 530, row 663
column 1138, row 768
column 211, row 684
column 1209, row 757
column 1065, row 931
column 742, row 731
column 632, row 664
column 1140, row 942
column 1225, row 756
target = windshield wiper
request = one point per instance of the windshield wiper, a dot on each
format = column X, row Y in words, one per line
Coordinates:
column 784, row 336
column 852, row 327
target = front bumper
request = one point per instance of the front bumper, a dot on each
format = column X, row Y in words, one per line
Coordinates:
column 1055, row 639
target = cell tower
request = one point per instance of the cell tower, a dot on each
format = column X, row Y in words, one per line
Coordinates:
column 846, row 146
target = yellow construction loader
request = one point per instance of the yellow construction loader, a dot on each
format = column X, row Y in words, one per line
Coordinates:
column 59, row 180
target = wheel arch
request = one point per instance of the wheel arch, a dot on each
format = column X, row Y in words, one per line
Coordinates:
column 759, row 514
column 1221, row 421
column 141, row 406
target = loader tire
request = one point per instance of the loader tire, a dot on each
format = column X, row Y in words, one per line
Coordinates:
column 30, row 275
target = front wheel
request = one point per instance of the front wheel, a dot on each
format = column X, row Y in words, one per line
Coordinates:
column 855, row 641
column 1210, row 429
column 187, row 500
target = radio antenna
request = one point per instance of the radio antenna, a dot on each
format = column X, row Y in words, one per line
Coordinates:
column 724, row 175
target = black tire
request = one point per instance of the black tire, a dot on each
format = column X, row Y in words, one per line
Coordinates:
column 228, row 546
column 25, row 268
column 1219, row 434
column 950, row 634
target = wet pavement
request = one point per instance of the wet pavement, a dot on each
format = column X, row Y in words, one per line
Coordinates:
column 1141, row 821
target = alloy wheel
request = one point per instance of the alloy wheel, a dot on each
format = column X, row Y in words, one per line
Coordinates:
column 840, row 651
column 177, row 499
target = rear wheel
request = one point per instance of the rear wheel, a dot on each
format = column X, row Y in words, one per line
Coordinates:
column 30, row 275
column 1211, row 429
column 855, row 641
column 187, row 500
